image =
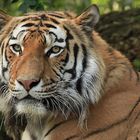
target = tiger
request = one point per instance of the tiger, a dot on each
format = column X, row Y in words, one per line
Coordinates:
column 61, row 81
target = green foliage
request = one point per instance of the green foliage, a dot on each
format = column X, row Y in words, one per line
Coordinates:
column 17, row 7
column 30, row 4
column 115, row 5
column 136, row 63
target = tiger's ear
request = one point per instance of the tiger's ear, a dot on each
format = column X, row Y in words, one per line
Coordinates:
column 4, row 19
column 89, row 18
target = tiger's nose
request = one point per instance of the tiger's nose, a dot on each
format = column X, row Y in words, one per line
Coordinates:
column 28, row 84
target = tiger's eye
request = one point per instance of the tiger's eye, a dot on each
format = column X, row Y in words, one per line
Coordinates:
column 16, row 48
column 56, row 49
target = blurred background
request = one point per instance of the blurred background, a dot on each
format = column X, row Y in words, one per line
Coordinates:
column 119, row 23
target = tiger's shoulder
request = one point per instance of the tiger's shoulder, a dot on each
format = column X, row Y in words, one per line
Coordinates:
column 117, row 65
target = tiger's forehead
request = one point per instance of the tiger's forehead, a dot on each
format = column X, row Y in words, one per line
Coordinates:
column 43, row 29
column 48, row 15
column 40, row 18
column 45, row 23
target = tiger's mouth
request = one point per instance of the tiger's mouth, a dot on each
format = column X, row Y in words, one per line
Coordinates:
column 46, row 102
column 50, row 106
column 31, row 106
column 64, row 101
column 30, row 99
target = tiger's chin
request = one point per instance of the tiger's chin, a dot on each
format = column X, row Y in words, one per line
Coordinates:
column 31, row 108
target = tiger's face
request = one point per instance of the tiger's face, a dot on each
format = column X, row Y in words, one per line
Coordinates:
column 49, row 63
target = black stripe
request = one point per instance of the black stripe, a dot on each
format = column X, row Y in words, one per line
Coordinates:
column 84, row 63
column 54, row 35
column 25, row 19
column 3, row 87
column 69, row 15
column 48, row 103
column 4, row 70
column 73, row 70
column 16, row 90
column 5, row 55
column 60, row 40
column 28, row 25
column 52, row 81
column 49, row 25
column 2, row 48
column 79, row 85
column 22, row 31
column 55, row 21
column 69, row 37
column 72, row 137
column 56, row 15
column 66, row 59
column 55, row 126
column 100, row 130
column 75, row 49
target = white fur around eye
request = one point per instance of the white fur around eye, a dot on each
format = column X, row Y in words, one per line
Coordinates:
column 59, row 32
column 48, row 39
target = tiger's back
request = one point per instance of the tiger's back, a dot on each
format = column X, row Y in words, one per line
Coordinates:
column 67, row 83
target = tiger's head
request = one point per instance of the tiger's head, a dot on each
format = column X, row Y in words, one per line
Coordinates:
column 49, row 62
